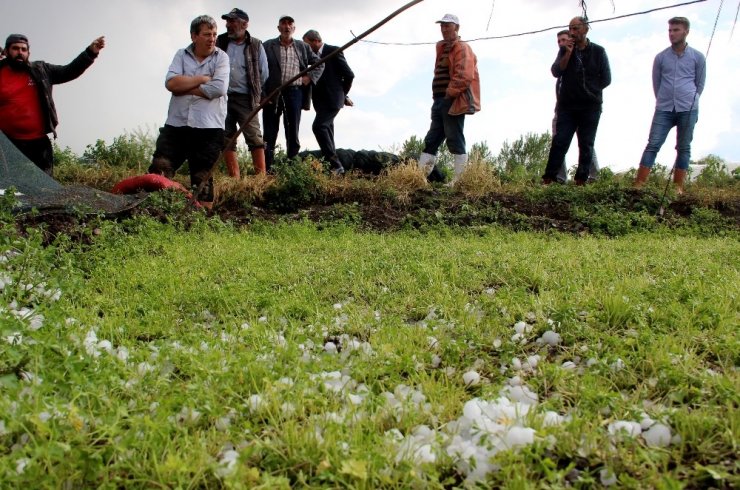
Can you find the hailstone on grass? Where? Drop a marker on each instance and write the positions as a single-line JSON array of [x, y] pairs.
[[658, 435], [471, 378], [549, 338]]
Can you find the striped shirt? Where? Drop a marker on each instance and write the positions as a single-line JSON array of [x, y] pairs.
[[442, 73], [289, 64]]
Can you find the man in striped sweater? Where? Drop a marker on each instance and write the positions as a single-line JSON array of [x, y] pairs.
[[456, 92]]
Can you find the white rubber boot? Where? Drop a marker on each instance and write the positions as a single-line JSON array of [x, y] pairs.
[[459, 163], [426, 163]]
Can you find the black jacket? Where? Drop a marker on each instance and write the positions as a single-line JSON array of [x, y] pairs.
[[334, 84], [584, 79], [45, 75]]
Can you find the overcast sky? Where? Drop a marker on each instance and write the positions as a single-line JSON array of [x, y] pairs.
[[124, 90]]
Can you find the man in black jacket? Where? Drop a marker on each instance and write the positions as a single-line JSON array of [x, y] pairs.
[[27, 110], [329, 96], [584, 72], [286, 57]]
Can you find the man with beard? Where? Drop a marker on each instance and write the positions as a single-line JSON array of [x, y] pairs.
[[583, 69], [248, 75], [27, 110], [286, 58], [679, 75]]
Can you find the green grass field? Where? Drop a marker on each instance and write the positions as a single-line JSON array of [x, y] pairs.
[[298, 355]]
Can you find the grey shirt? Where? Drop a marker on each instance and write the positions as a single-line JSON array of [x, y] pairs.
[[678, 80], [194, 111]]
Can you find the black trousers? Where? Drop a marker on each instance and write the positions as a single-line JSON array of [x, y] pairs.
[[39, 151]]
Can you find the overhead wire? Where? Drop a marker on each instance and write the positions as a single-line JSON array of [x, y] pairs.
[[538, 31]]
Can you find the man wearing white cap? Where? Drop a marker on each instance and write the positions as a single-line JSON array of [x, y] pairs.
[[456, 92]]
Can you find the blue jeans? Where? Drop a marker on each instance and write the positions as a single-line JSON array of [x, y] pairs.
[[663, 121], [583, 123], [445, 127], [288, 104]]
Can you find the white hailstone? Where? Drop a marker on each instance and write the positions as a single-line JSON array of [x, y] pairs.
[[658, 435], [607, 477], [105, 345], [44, 416], [20, 465], [550, 338], [515, 381], [516, 364], [36, 322], [344, 447], [490, 291], [646, 422], [227, 463], [517, 337], [436, 361], [337, 306], [533, 361], [330, 348], [262, 319], [519, 436], [617, 365], [255, 403], [15, 338], [355, 399], [583, 348], [122, 354], [91, 344], [522, 327], [3, 430], [144, 367], [552, 419], [153, 407], [569, 365], [432, 342], [497, 344], [287, 409], [222, 424], [187, 416], [592, 362], [625, 427], [449, 371], [286, 382], [521, 394], [471, 378]]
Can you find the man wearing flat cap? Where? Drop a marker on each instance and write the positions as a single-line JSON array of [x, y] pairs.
[[246, 80], [456, 92], [27, 110], [286, 57]]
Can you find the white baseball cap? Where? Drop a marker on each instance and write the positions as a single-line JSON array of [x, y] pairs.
[[449, 18]]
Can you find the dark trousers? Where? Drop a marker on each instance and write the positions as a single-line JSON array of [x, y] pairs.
[[323, 130], [201, 147], [583, 123], [39, 151], [288, 105], [445, 127]]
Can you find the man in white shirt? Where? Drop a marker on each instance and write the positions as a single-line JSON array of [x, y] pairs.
[[198, 79]]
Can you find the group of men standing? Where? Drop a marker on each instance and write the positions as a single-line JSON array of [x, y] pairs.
[[582, 70], [217, 82]]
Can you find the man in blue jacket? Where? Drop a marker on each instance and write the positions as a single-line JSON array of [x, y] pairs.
[[329, 96]]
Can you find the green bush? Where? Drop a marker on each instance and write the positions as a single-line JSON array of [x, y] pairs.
[[131, 150], [525, 158], [296, 185]]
